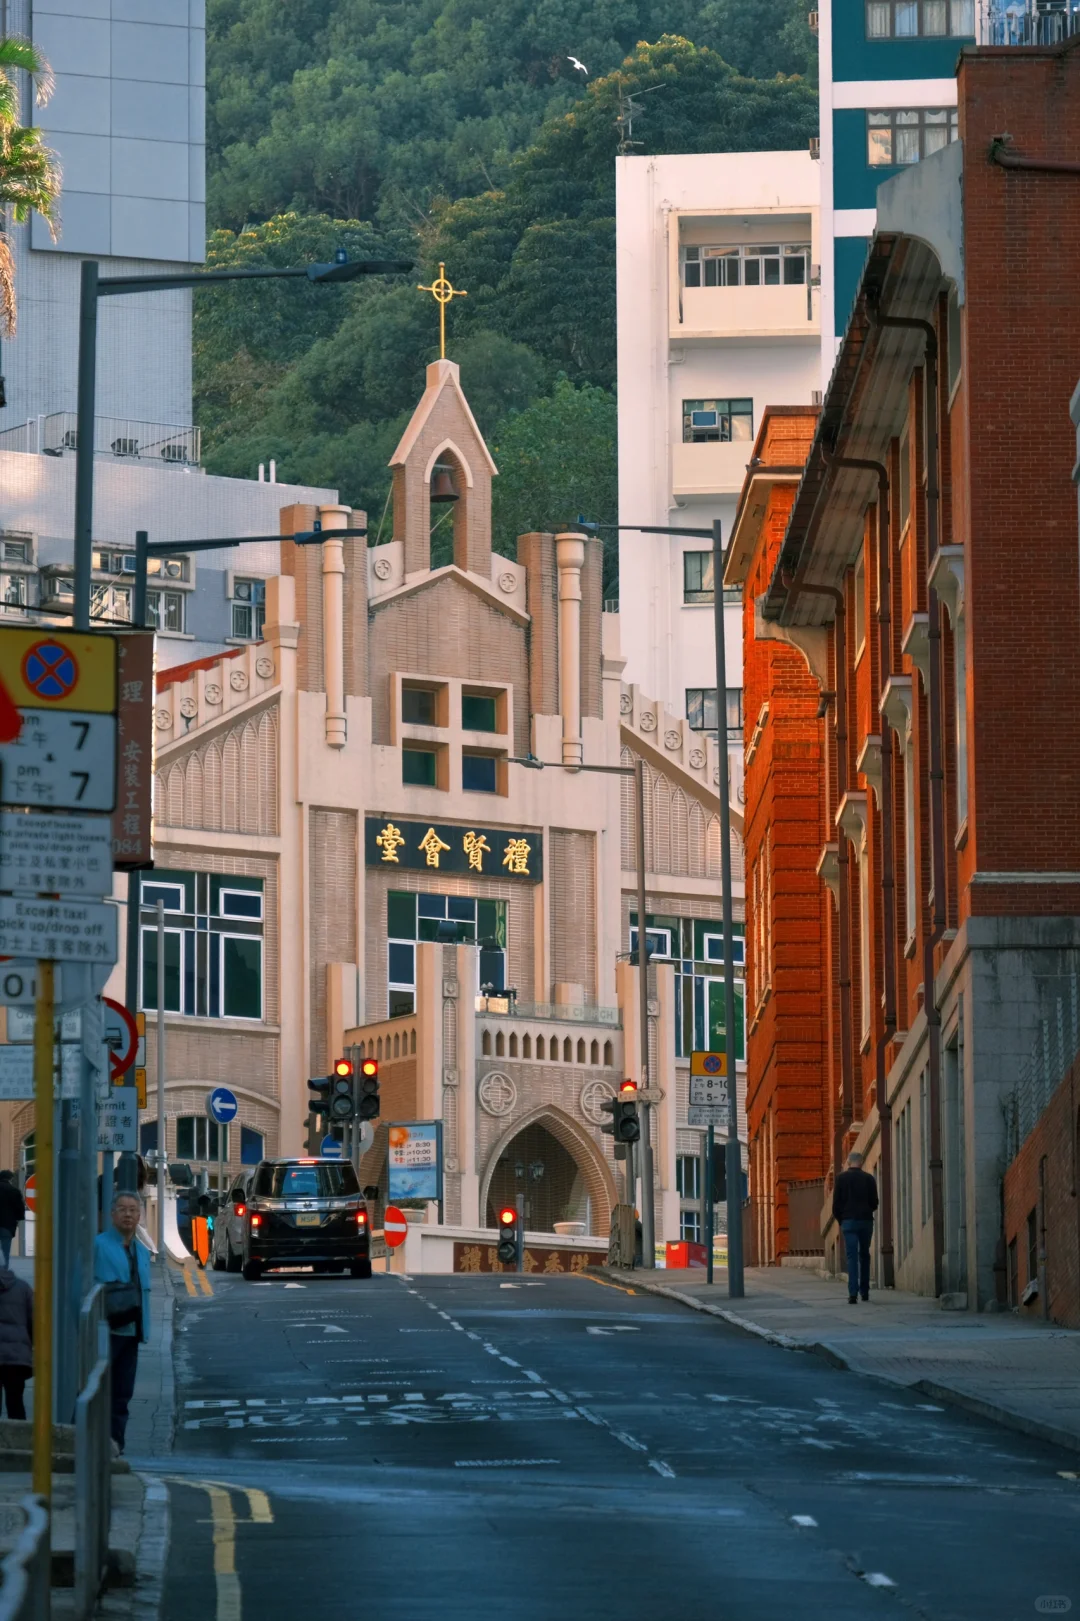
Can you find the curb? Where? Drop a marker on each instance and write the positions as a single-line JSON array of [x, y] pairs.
[[1007, 1417], [152, 1551]]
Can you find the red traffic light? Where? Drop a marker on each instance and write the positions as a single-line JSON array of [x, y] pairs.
[[628, 1089], [342, 1068], [507, 1217], [369, 1067]]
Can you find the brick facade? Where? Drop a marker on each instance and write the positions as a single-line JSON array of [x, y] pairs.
[[1042, 1212]]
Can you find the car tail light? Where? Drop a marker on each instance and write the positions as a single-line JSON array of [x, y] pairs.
[[241, 1209], [361, 1218], [256, 1220]]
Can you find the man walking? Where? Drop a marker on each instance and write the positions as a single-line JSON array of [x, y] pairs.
[[122, 1264], [855, 1198], [12, 1211]]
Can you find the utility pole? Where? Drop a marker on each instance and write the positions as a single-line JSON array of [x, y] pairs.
[[161, 1078], [733, 1151], [648, 1223]]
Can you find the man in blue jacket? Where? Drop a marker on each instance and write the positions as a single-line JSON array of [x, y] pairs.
[[119, 1258]]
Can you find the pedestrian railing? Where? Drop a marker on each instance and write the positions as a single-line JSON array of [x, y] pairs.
[[93, 1456], [26, 1572], [1054, 1050]]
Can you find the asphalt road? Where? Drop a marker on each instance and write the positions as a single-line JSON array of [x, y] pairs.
[[441, 1448]]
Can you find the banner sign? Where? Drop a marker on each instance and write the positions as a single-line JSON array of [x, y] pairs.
[[415, 1160], [495, 852]]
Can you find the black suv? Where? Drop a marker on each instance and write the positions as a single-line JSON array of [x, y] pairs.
[[303, 1212]]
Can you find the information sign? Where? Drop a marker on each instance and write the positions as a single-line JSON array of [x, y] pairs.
[[221, 1105], [710, 1089], [330, 1148], [17, 1071], [703, 1063], [18, 986], [415, 1160], [705, 1114], [118, 1121], [61, 760], [132, 825], [60, 855], [121, 1037], [58, 670], [66, 931]]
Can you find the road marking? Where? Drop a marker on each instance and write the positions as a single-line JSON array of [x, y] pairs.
[[662, 1468], [502, 1463], [804, 1519], [875, 1578], [604, 1283], [296, 1286], [189, 1282], [1068, 1474], [615, 1328], [204, 1283]]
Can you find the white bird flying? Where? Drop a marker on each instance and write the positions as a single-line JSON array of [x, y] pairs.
[[579, 65]]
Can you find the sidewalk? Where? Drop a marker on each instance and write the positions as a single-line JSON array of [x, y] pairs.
[[1023, 1374]]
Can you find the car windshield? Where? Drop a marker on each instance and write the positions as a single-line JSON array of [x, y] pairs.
[[306, 1181]]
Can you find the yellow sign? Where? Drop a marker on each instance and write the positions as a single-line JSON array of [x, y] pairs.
[[708, 1063], [44, 669], [140, 1087]]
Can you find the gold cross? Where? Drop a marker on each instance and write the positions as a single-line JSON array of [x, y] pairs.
[[442, 292]]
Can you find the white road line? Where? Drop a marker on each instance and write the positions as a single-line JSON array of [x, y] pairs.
[[662, 1468], [875, 1578], [535, 1377], [502, 1463], [804, 1519]]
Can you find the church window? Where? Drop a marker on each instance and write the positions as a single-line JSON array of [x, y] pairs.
[[451, 919], [214, 938], [418, 706], [478, 712], [418, 767], [479, 773], [695, 948]]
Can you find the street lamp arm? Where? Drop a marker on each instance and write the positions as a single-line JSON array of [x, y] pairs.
[[308, 537], [349, 271], [645, 529], [533, 764]]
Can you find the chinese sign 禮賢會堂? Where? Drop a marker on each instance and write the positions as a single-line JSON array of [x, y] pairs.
[[442, 847]]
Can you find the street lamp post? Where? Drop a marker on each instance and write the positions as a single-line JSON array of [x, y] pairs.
[[732, 1151], [648, 1217], [93, 287]]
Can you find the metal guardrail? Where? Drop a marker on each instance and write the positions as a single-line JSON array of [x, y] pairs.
[[93, 1455], [505, 1007], [1028, 22], [26, 1572]]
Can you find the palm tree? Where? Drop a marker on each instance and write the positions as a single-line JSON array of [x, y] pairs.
[[29, 173]]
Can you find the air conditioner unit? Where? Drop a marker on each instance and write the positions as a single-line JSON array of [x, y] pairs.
[[173, 568], [125, 447], [815, 146], [174, 453], [127, 563]]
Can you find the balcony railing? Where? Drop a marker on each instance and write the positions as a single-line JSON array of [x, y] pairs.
[[559, 1012], [153, 444], [1027, 22]]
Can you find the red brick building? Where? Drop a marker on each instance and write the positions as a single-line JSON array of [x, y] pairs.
[[928, 574], [787, 1024]]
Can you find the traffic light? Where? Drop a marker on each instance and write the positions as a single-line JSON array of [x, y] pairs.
[[626, 1122], [508, 1235], [342, 1098], [367, 1090]]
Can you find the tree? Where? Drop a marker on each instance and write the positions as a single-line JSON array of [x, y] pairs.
[[29, 177]]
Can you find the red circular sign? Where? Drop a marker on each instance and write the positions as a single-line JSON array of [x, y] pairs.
[[30, 1192], [50, 670], [122, 1058], [395, 1226]]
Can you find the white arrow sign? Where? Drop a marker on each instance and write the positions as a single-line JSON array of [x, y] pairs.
[[616, 1328], [327, 1328]]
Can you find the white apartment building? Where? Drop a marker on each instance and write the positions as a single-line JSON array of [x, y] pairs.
[[717, 260]]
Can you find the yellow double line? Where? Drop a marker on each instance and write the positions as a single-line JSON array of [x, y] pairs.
[[190, 1274], [224, 1522]]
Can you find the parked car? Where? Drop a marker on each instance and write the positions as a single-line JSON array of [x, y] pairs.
[[300, 1212], [227, 1246]]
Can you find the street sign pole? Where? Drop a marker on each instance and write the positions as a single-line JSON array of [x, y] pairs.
[[709, 1203], [520, 1265], [161, 1078], [43, 1236]]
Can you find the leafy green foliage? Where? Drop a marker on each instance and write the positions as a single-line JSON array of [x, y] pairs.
[[29, 176], [460, 130]]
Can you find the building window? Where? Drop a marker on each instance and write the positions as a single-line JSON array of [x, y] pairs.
[[905, 481], [688, 1176], [717, 421], [15, 590], [906, 135], [858, 594], [657, 940], [419, 768], [197, 1138], [690, 1226], [697, 574], [924, 1147], [1032, 1246], [479, 773], [915, 19], [700, 1017], [164, 610], [911, 875], [701, 710], [252, 1145], [452, 919], [111, 603], [864, 935], [16, 548], [418, 706], [248, 610], [904, 1233], [478, 713], [1014, 1275], [213, 967], [748, 265]]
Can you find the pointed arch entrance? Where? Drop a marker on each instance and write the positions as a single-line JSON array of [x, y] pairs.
[[554, 1162]]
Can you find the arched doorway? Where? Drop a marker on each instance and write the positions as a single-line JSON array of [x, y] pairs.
[[555, 1165]]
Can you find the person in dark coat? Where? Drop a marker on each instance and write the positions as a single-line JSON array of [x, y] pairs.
[[12, 1211], [855, 1198], [16, 1340]]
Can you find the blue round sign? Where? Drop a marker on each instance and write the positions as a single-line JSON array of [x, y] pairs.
[[331, 1148], [221, 1105]]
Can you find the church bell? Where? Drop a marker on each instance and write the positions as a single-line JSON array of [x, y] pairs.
[[442, 487]]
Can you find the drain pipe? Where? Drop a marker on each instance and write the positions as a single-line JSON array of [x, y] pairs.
[[937, 772], [847, 1055], [888, 859]]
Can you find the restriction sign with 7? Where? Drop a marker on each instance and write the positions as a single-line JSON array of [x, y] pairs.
[[61, 760]]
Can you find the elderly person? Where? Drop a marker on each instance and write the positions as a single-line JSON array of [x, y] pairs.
[[16, 1340], [855, 1198], [122, 1264]]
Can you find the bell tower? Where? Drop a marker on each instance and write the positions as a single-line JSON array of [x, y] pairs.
[[443, 462]]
